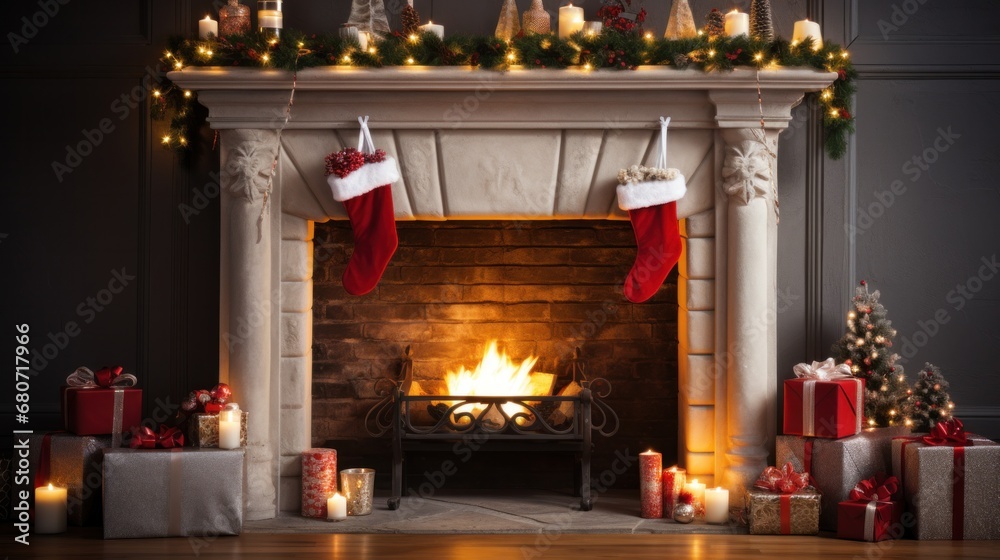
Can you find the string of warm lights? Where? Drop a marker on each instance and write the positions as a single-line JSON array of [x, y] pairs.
[[584, 51]]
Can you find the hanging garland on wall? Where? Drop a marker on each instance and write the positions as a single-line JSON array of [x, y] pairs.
[[610, 49]]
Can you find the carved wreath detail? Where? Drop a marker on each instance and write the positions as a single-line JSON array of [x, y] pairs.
[[746, 172], [248, 168]]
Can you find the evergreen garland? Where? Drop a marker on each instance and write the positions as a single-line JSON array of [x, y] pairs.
[[866, 348], [609, 49]]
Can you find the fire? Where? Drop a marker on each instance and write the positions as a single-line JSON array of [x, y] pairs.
[[495, 376]]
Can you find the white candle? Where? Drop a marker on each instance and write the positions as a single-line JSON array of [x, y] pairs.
[[431, 27], [697, 489], [229, 428], [364, 38], [269, 19], [737, 23], [570, 20], [336, 507], [804, 29], [717, 505], [50, 509], [208, 27]]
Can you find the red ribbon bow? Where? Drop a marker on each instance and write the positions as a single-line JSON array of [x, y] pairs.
[[874, 490], [784, 480], [165, 438], [951, 433], [104, 377]]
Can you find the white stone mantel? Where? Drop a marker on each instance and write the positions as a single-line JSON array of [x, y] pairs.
[[522, 144]]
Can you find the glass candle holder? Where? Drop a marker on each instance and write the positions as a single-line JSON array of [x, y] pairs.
[[358, 486], [269, 17], [234, 19]]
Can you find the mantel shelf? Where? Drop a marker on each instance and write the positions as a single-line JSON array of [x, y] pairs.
[[433, 78]]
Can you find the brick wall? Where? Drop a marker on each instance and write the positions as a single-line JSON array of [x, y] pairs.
[[540, 288]]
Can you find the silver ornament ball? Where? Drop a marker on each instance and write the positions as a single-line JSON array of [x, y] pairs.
[[684, 513]]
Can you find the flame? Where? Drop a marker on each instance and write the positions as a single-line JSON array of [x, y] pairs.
[[495, 376]]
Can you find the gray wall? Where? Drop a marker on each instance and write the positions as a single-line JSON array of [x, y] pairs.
[[119, 207]]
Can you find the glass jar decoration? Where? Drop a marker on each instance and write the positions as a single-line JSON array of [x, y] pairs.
[[269, 18], [234, 19], [536, 19]]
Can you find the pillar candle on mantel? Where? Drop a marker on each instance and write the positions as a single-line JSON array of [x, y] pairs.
[[431, 27], [737, 23], [319, 481], [717, 505], [804, 29], [697, 489], [570, 20], [651, 485], [673, 483], [208, 27], [230, 419], [50, 509]]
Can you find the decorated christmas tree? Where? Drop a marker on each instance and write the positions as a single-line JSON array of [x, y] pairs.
[[929, 401], [867, 348], [760, 20]]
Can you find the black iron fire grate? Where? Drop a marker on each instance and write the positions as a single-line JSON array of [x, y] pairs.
[[434, 422]]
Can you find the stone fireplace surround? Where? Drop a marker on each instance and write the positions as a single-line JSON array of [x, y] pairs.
[[472, 144]]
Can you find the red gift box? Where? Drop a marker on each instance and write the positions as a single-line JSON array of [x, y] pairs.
[[871, 514], [823, 405], [872, 521], [91, 411], [101, 403]]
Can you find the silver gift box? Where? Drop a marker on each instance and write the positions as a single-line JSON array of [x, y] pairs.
[[929, 484], [74, 464], [839, 464], [173, 492]]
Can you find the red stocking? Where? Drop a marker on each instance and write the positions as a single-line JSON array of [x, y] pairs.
[[362, 181], [650, 195]]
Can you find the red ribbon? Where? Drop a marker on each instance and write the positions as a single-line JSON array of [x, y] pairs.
[[165, 438], [106, 375], [875, 490], [784, 480], [785, 501], [951, 433]]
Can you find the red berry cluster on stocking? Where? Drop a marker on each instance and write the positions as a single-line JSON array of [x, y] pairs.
[[362, 180], [650, 196]]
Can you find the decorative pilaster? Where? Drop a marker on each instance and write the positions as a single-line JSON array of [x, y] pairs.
[[246, 305], [746, 180]]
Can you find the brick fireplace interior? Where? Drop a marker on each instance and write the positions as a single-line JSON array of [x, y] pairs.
[[538, 287]]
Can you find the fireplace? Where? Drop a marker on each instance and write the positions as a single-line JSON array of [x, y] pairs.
[[520, 145]]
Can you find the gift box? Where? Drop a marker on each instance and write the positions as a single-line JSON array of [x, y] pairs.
[[781, 502], [173, 492], [837, 464], [203, 429], [774, 513], [72, 462], [951, 482], [824, 400], [872, 513], [100, 403]]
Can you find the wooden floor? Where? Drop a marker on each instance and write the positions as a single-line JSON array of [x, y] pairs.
[[88, 544]]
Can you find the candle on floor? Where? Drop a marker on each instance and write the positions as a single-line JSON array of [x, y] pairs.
[[651, 485], [804, 29], [673, 483], [697, 489], [208, 27], [717, 505], [336, 508], [50, 509], [229, 427], [570, 20], [431, 27], [737, 23]]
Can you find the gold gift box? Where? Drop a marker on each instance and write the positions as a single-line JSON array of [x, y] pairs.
[[764, 508], [203, 429]]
